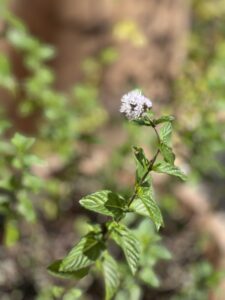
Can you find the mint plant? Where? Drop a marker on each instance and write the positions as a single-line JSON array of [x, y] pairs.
[[93, 251], [62, 118], [59, 120]]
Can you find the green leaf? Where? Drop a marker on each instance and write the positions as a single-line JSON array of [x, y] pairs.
[[163, 120], [22, 40], [105, 202], [5, 65], [4, 124], [128, 242], [143, 122], [45, 52], [160, 252], [148, 276], [54, 269], [84, 254], [111, 275], [109, 55], [7, 80], [55, 291], [21, 142], [33, 183], [138, 207], [169, 169], [142, 163], [25, 207], [165, 133], [146, 195], [30, 160], [11, 235], [167, 153], [165, 138], [73, 294]]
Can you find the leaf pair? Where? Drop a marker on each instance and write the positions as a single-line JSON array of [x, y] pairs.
[[77, 263], [108, 203]]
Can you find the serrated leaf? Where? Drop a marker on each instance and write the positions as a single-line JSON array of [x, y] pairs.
[[138, 207], [146, 195], [163, 120], [105, 202], [169, 169], [142, 163], [84, 254], [130, 245], [111, 275], [165, 133], [54, 269], [167, 153]]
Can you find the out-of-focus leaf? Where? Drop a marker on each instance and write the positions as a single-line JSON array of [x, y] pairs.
[[147, 275], [21, 142], [25, 207], [73, 294], [163, 119], [11, 235]]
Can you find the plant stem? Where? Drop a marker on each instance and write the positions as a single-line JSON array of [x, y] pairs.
[[144, 177], [151, 164]]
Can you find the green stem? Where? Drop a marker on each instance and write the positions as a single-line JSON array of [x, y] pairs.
[[151, 164], [144, 177], [134, 195]]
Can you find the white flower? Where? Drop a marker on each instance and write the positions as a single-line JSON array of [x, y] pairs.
[[134, 105]]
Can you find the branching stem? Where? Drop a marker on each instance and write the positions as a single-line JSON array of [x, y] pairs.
[[134, 195]]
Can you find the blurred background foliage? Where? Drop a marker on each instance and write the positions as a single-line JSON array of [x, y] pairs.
[[60, 144]]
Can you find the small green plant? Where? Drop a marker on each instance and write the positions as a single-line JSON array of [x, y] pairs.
[[19, 182], [93, 251], [203, 279], [62, 120], [199, 92]]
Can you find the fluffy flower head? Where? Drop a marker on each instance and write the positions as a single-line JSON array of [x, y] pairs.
[[134, 105]]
